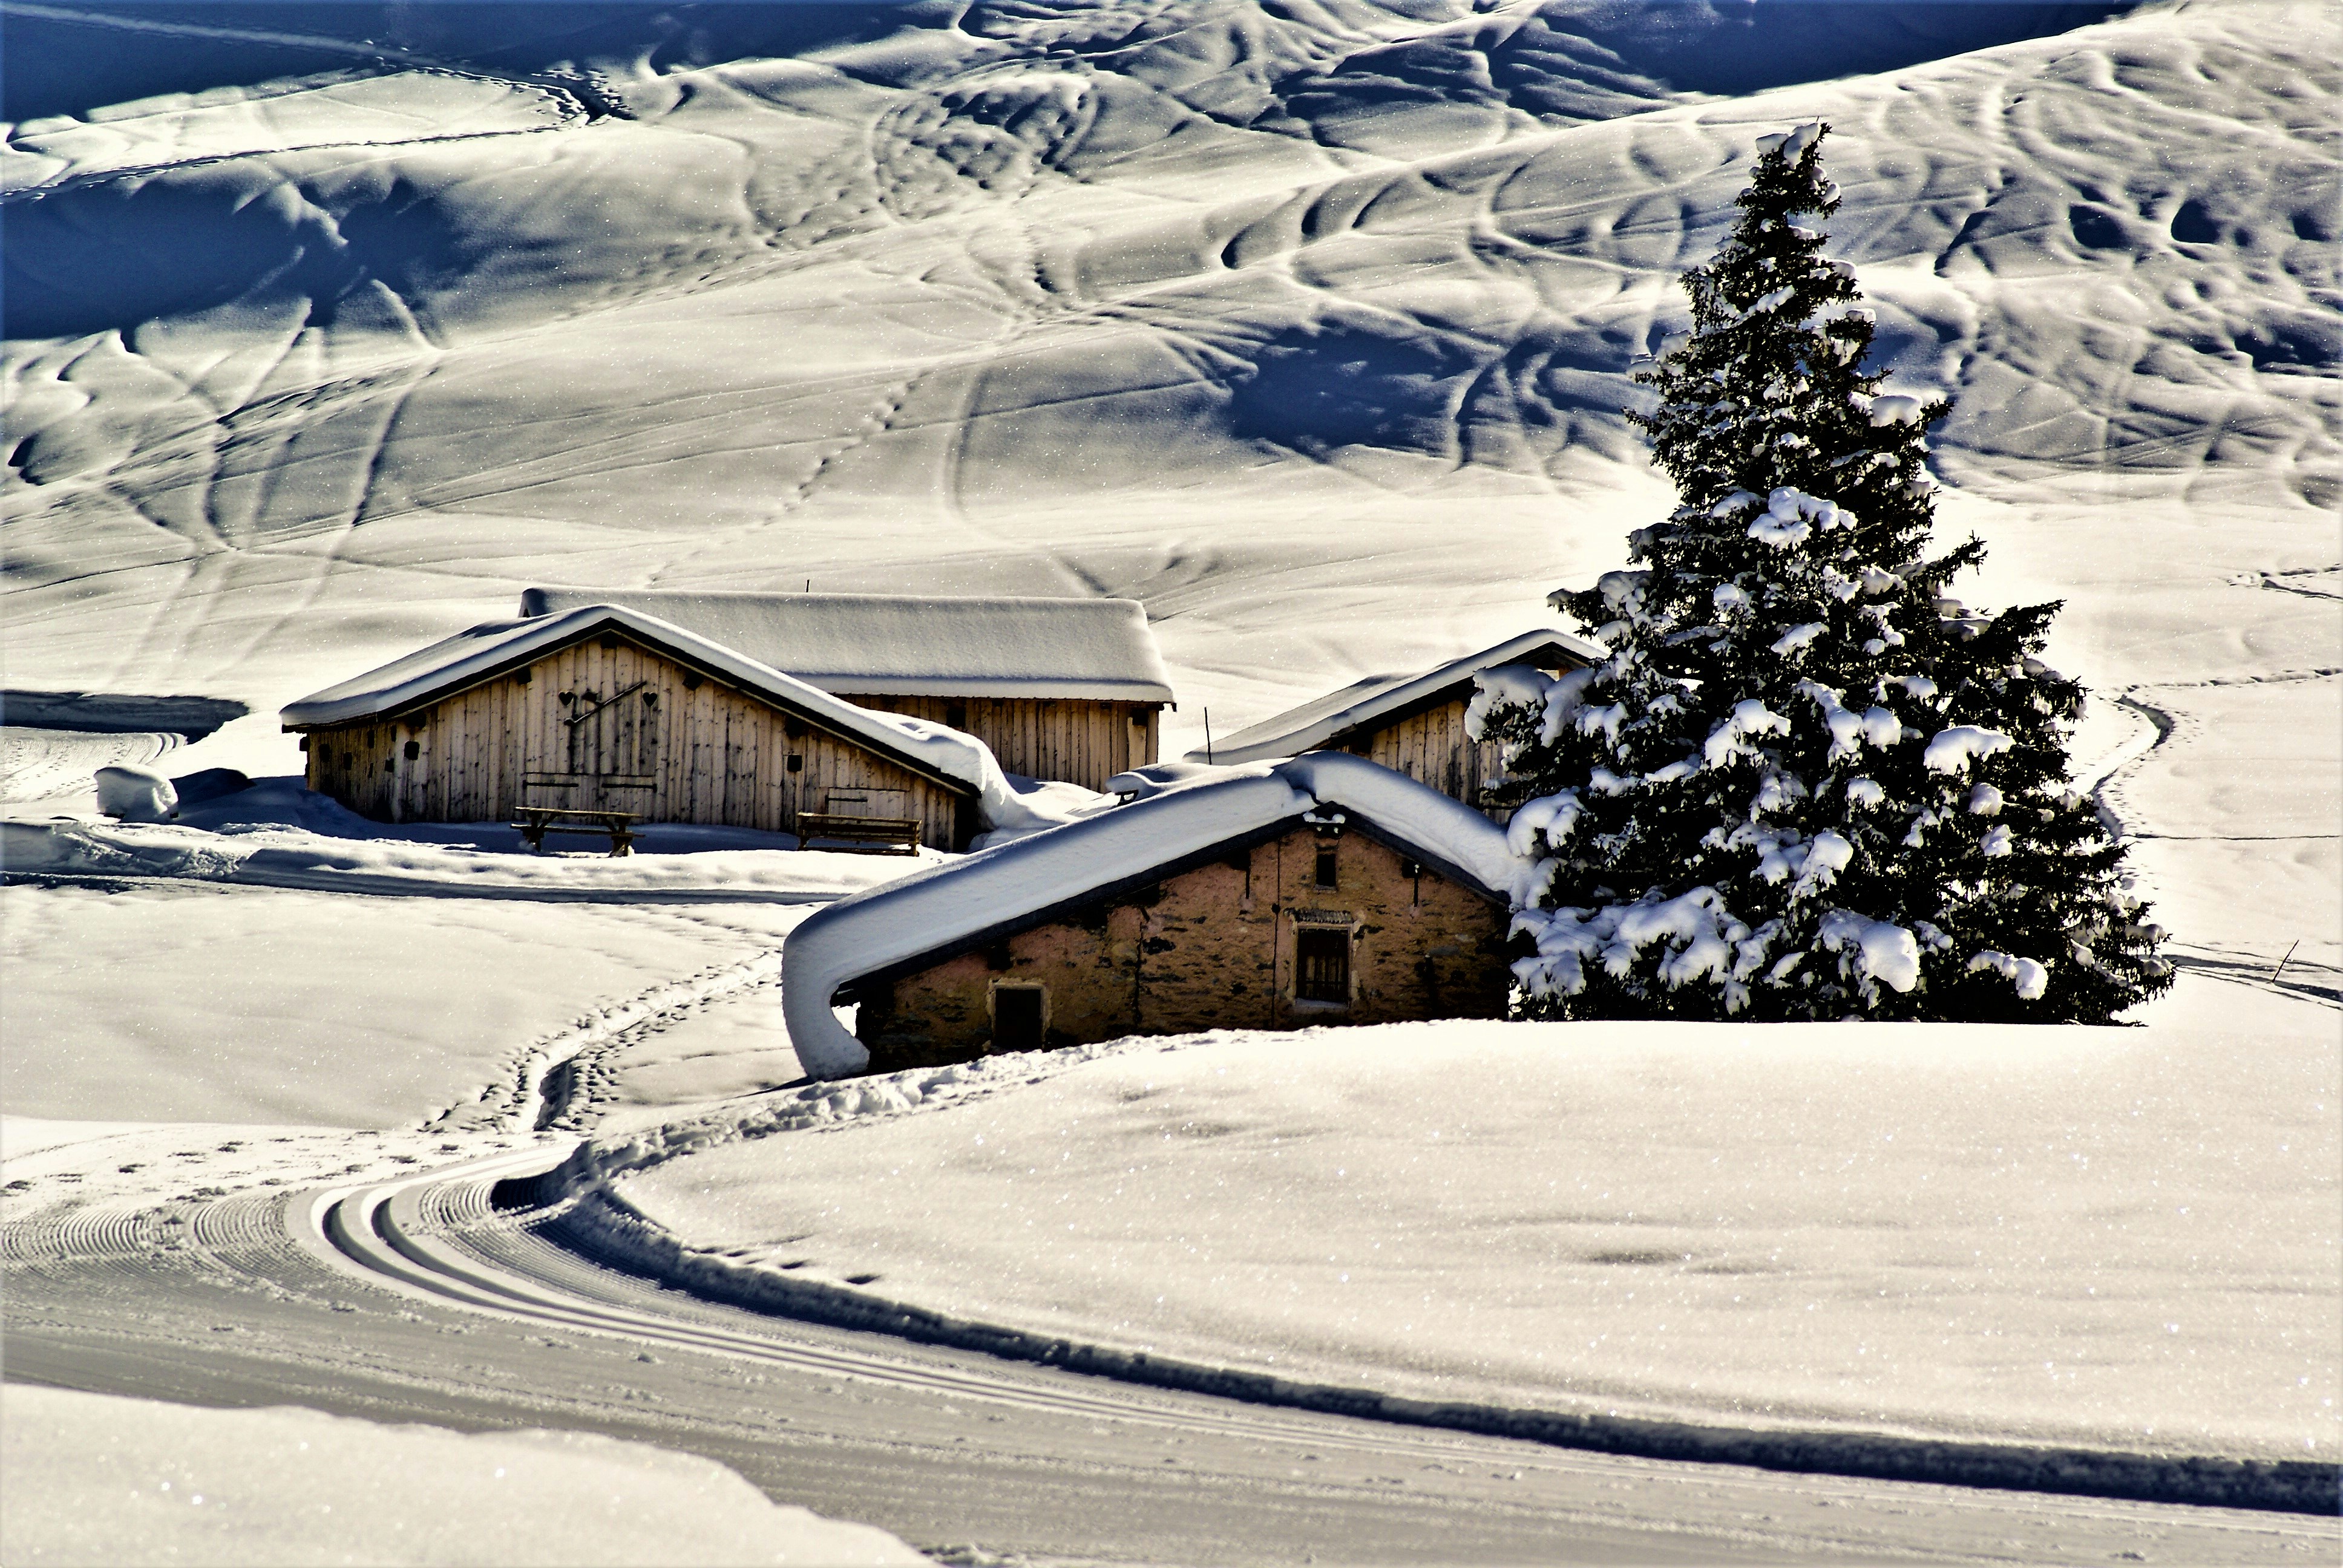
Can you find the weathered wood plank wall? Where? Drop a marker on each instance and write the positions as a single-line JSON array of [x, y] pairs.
[[673, 746], [1433, 749], [1079, 741]]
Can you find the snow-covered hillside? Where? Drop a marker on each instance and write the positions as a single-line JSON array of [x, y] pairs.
[[1307, 326], [1251, 314]]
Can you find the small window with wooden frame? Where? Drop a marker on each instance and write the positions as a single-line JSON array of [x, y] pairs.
[[1322, 965], [1020, 1015], [1329, 865]]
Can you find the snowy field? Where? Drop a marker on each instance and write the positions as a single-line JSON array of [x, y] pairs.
[[266, 1487], [1307, 326], [177, 1001], [2101, 1238]]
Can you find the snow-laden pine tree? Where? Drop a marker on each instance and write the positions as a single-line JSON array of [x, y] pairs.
[[1807, 784]]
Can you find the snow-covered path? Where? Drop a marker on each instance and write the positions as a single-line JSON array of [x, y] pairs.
[[941, 1447]]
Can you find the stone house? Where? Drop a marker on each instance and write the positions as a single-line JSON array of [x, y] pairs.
[[1063, 688], [1413, 724], [1323, 891]]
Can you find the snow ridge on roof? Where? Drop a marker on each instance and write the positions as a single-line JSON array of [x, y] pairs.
[[1361, 705], [481, 651], [902, 920], [898, 645]]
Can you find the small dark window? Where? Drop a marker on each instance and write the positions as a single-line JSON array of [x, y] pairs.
[[522, 677], [956, 715], [1017, 1018], [610, 645], [796, 763], [414, 750], [1325, 877], [691, 680], [1322, 965]]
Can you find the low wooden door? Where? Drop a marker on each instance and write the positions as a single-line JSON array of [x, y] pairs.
[[604, 751]]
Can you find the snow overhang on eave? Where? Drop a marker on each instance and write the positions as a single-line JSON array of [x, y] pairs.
[[1324, 816], [1124, 887], [1102, 893]]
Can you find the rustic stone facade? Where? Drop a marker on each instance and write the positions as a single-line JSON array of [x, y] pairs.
[[1238, 942]]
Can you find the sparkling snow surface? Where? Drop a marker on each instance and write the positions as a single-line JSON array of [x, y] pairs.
[[184, 1002], [1333, 393], [295, 1487], [2118, 1237]]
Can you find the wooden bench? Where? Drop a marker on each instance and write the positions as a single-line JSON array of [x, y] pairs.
[[861, 835], [536, 821]]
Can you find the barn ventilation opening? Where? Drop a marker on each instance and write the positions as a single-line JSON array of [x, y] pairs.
[[1322, 965], [1326, 863], [1017, 1018]]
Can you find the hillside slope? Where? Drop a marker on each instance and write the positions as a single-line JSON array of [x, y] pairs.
[[1309, 326]]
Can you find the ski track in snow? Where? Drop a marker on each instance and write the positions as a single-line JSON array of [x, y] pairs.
[[521, 1102]]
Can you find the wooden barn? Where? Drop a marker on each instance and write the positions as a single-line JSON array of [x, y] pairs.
[[1413, 724], [606, 709], [1325, 890], [1063, 688]]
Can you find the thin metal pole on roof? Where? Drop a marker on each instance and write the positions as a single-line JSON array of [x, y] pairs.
[[1207, 737]]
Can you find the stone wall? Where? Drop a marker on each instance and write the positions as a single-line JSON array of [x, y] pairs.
[[1213, 947]]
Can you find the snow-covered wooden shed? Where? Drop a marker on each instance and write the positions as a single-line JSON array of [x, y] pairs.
[[1068, 688], [1320, 890], [604, 708], [1412, 723]]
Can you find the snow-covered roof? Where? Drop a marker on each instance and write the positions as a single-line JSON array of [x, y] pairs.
[[483, 652], [1382, 699], [898, 645], [927, 918]]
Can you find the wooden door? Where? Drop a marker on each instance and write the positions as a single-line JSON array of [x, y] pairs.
[[607, 755]]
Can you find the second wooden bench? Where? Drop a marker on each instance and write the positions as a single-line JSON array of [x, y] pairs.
[[861, 835]]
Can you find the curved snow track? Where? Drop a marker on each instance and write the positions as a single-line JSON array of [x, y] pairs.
[[439, 1236], [443, 1295]]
